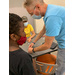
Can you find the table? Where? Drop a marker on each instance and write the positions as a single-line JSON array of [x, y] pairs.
[[38, 43]]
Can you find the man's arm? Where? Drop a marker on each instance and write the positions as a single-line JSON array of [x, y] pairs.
[[46, 45], [42, 32]]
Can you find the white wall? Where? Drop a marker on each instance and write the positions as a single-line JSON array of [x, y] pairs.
[[55, 2], [15, 6], [39, 23]]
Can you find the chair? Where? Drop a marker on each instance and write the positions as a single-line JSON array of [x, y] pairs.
[[45, 64], [45, 69]]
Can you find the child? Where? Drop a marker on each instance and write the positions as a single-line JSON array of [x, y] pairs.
[[28, 28], [20, 62]]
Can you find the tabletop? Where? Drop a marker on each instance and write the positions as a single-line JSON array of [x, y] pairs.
[[38, 43]]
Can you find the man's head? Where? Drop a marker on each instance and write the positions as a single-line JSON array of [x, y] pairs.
[[35, 7], [32, 3]]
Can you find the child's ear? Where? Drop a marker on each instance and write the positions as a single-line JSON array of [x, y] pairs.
[[12, 36]]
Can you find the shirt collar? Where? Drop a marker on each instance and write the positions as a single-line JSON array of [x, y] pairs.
[[45, 13]]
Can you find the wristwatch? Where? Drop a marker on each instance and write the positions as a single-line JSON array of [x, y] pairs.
[[33, 50], [33, 42]]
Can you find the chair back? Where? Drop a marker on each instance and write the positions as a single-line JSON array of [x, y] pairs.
[[45, 64], [45, 69]]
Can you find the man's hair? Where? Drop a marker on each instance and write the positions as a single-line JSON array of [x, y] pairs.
[[32, 2], [14, 26]]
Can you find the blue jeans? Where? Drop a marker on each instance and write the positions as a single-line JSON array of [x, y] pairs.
[[60, 62]]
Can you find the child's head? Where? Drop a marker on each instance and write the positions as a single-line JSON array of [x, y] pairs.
[[16, 27], [25, 20]]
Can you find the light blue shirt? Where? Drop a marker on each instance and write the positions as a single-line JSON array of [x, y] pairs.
[[54, 21]]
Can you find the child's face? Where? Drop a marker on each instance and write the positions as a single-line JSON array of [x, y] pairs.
[[21, 31], [25, 21]]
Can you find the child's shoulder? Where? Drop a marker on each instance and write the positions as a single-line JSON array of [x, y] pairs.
[[20, 54], [29, 25], [20, 58], [24, 54]]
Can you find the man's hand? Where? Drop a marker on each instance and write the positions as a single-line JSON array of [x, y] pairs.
[[30, 50], [32, 44]]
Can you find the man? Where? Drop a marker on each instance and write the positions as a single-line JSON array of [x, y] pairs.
[[54, 20]]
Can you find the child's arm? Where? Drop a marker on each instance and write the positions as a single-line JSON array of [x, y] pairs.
[[33, 34]]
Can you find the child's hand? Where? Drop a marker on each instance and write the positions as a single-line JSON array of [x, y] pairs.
[[29, 39]]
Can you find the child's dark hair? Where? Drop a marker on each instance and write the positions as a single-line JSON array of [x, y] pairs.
[[14, 26]]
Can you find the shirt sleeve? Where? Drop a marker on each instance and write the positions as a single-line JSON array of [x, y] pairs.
[[31, 28], [53, 26], [27, 69]]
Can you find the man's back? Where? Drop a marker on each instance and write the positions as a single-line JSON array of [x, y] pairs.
[[54, 20]]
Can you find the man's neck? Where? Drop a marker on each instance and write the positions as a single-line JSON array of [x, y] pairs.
[[45, 9]]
